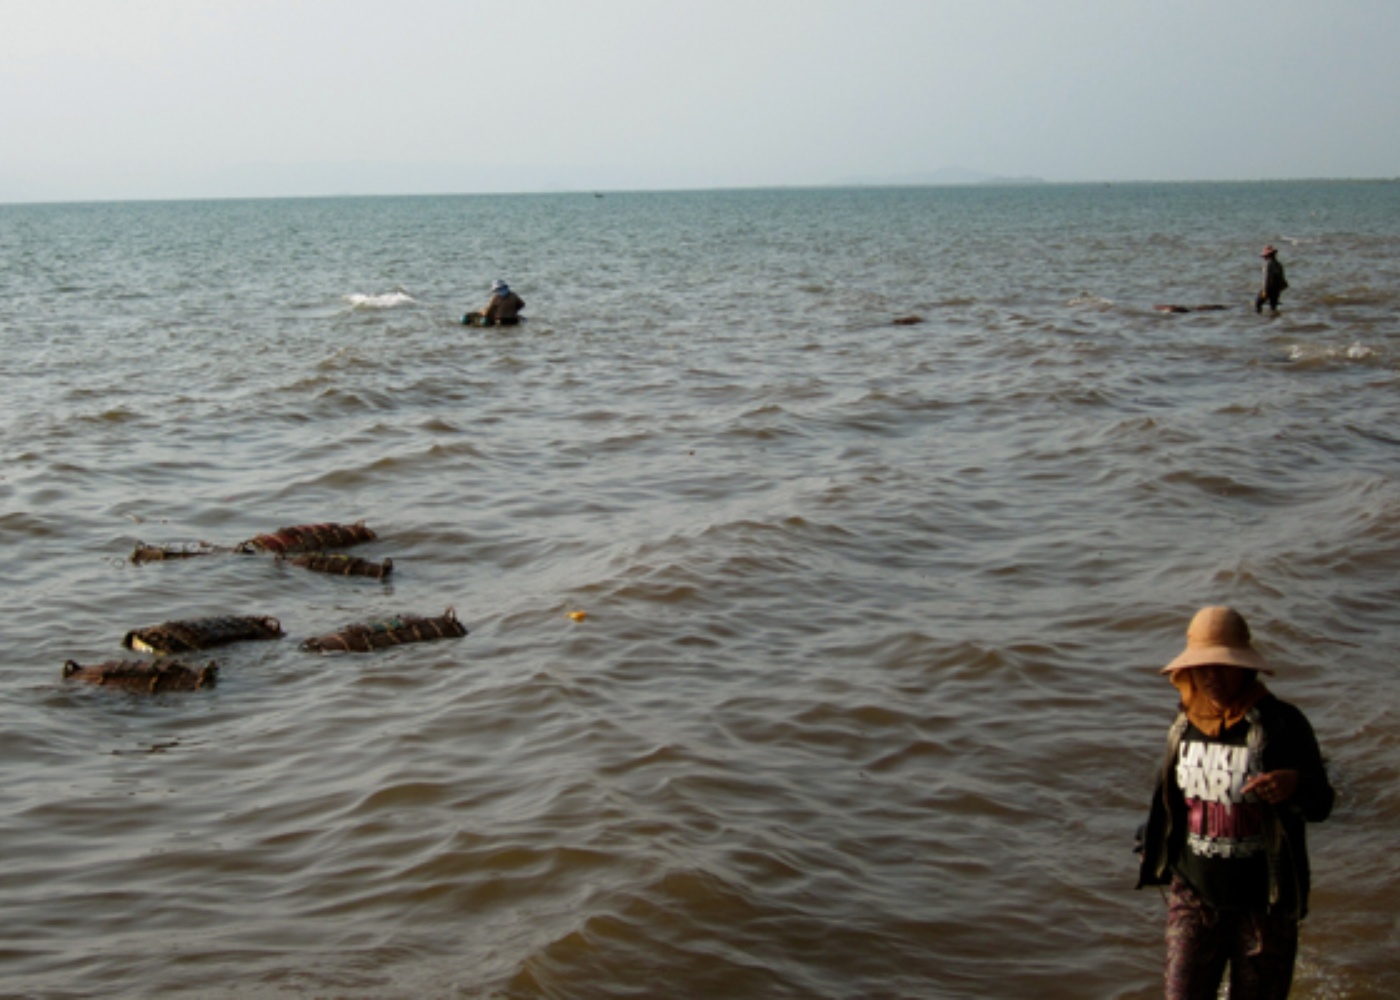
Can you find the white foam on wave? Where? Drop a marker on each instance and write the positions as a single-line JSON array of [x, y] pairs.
[[1320, 352], [386, 301]]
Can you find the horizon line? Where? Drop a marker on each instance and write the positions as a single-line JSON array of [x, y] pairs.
[[987, 182]]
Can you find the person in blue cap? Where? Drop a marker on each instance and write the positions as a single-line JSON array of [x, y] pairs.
[[502, 310]]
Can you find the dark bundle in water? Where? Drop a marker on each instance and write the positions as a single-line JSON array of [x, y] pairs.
[[144, 676], [309, 538], [201, 633], [342, 565], [390, 632], [185, 550]]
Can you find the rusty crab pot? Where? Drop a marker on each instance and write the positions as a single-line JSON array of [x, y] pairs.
[[339, 564], [144, 676], [144, 553], [364, 638], [201, 633], [309, 538]]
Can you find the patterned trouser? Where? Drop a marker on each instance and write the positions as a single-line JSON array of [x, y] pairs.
[[1202, 940]]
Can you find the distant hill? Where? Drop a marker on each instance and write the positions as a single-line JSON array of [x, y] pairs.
[[934, 178]]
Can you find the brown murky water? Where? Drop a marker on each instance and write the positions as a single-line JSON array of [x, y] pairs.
[[862, 702]]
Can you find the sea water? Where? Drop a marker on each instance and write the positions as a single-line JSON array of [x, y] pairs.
[[812, 654]]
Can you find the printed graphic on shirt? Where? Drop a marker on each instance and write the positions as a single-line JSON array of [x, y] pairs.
[[1220, 823]]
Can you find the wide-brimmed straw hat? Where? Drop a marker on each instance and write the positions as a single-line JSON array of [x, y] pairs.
[[1218, 636], [1268, 251]]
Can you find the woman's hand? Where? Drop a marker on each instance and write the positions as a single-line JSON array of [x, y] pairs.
[[1274, 787]]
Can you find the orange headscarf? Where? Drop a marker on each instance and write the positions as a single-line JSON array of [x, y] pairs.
[[1208, 716]]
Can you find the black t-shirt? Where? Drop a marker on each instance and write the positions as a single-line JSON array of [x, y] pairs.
[[1223, 857]]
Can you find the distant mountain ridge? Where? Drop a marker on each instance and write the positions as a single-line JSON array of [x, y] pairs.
[[945, 175]]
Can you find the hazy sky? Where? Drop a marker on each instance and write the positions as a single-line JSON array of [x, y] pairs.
[[182, 98]]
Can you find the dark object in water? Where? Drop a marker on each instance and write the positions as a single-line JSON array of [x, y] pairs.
[[309, 538], [907, 320], [201, 633], [185, 550], [1189, 309], [144, 676], [339, 564], [390, 632], [477, 319]]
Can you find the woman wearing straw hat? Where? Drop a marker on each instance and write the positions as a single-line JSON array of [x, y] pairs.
[[1274, 281], [1242, 775]]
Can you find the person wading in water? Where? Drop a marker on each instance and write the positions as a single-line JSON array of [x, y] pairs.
[[1274, 281], [1242, 776], [502, 310]]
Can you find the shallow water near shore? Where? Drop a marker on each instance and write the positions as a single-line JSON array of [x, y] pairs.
[[862, 701]]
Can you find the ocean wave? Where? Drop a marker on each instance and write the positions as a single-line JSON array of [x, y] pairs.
[[386, 300], [1314, 354]]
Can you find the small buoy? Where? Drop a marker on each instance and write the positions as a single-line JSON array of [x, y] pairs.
[[578, 616]]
